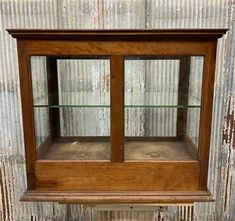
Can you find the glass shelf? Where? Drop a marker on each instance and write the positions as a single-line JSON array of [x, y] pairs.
[[108, 106]]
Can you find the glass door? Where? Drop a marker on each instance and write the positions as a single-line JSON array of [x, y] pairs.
[[162, 108], [71, 107]]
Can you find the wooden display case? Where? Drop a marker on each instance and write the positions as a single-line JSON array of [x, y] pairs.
[[117, 116]]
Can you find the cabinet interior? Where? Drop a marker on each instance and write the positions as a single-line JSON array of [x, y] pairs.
[[162, 98]]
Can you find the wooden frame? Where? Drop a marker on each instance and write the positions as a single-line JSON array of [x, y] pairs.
[[117, 181]]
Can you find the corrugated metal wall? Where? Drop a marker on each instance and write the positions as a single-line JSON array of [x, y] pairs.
[[76, 14]]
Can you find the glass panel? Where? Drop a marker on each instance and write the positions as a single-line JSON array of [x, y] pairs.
[[162, 101], [77, 105], [194, 98], [40, 95]]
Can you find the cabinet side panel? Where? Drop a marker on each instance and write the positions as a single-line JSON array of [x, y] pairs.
[[27, 110], [206, 112]]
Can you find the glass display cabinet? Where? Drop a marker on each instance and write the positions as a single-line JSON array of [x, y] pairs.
[[117, 116]]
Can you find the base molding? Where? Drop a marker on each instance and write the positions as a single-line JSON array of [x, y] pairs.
[[120, 197]]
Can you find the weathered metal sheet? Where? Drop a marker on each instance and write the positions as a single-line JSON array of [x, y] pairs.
[[75, 14]]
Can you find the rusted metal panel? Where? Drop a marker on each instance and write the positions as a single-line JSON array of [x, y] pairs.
[[75, 14]]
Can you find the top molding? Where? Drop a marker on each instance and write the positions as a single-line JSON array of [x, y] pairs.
[[117, 34]]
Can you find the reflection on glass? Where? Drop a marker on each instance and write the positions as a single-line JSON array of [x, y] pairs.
[[74, 102], [162, 103]]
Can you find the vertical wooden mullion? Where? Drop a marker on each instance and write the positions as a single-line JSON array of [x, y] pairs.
[[183, 91], [117, 108], [53, 96], [28, 112], [206, 112]]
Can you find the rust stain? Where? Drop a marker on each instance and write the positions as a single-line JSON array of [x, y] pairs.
[[228, 140], [227, 190], [6, 209], [229, 127]]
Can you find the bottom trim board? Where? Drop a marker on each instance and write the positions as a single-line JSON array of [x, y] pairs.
[[121, 197]]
